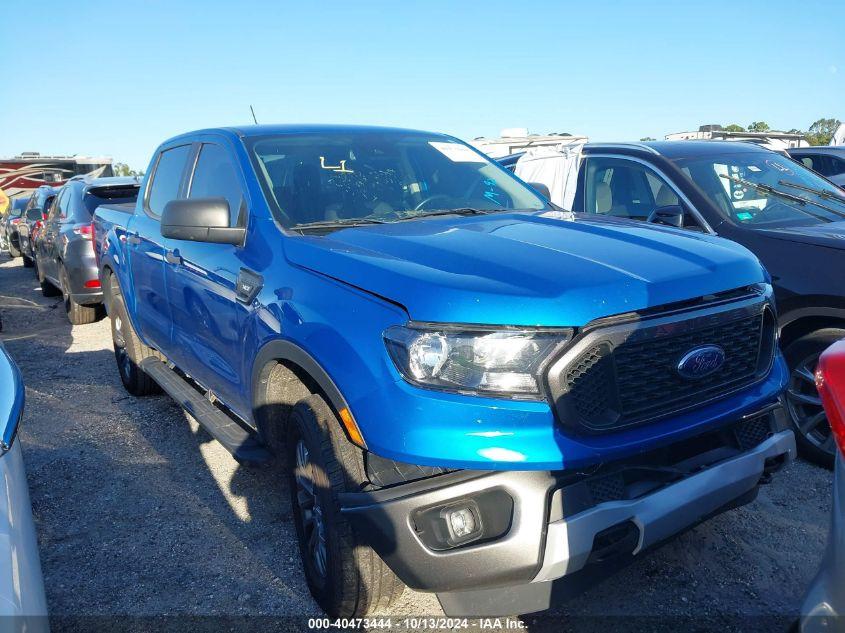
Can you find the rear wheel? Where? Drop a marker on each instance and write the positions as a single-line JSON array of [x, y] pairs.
[[812, 429], [77, 313], [128, 350], [47, 289], [347, 578]]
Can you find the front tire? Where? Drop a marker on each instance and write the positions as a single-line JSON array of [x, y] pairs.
[[128, 350], [346, 578], [809, 421]]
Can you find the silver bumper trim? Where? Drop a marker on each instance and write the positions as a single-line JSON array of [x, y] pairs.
[[661, 514]]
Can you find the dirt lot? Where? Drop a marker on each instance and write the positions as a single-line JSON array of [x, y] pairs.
[[139, 513]]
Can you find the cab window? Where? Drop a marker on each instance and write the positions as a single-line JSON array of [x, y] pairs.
[[215, 177]]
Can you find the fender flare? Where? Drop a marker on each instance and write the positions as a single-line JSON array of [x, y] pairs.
[[788, 318], [285, 350]]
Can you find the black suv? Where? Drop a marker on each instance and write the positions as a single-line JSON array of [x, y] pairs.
[[787, 215]]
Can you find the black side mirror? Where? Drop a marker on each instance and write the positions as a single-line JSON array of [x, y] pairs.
[[542, 189], [671, 215], [200, 220]]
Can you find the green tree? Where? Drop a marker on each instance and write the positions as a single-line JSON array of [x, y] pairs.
[[822, 131], [122, 169], [733, 127], [648, 138], [759, 126]]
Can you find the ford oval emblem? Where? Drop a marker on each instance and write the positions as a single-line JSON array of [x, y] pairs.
[[701, 361]]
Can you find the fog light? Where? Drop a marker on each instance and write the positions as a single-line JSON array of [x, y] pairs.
[[462, 522]]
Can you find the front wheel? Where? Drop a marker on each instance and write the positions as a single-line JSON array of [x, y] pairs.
[[812, 429], [346, 578]]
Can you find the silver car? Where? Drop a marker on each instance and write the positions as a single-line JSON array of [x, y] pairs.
[[23, 606], [824, 604], [64, 254]]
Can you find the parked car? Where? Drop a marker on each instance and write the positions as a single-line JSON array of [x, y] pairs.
[[824, 604], [785, 214], [475, 398], [65, 256], [34, 214], [23, 605], [13, 216], [827, 161]]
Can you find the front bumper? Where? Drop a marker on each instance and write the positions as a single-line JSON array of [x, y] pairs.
[[555, 527]]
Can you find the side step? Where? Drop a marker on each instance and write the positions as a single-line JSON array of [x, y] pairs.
[[243, 445]]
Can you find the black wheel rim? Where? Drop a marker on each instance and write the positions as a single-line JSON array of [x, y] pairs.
[[120, 353], [311, 513], [805, 406]]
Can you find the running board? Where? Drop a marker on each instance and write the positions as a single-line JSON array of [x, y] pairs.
[[243, 445]]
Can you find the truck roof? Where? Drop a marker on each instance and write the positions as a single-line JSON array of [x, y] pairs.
[[244, 131]]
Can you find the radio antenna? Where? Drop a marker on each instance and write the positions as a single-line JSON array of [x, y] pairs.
[[253, 114]]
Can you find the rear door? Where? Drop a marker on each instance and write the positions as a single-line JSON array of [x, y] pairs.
[[48, 244], [207, 316], [145, 248]]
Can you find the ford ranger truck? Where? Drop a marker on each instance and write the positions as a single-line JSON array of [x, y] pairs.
[[473, 394]]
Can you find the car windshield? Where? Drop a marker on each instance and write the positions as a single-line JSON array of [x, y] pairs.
[[350, 178], [765, 189]]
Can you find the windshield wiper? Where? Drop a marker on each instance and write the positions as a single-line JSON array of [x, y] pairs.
[[783, 194], [335, 224], [459, 211], [821, 193]]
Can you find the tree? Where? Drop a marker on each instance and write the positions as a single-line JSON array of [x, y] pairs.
[[822, 131], [648, 138], [733, 127], [122, 169], [759, 126]]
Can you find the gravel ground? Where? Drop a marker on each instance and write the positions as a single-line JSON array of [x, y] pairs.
[[142, 518]]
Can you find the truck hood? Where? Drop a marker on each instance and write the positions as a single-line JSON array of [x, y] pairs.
[[524, 268], [830, 234]]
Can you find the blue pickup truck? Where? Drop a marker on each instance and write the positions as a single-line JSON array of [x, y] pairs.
[[474, 394]]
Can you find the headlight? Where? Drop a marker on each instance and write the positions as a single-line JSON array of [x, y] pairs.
[[503, 362]]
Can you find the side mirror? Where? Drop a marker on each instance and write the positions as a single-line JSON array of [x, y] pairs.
[[200, 220], [542, 189], [671, 215]]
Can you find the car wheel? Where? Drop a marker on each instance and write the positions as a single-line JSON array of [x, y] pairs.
[[346, 578], [128, 350], [47, 289], [14, 251], [77, 314], [812, 430]]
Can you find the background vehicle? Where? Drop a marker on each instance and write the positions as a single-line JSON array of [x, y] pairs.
[[432, 350], [788, 216], [827, 161], [65, 256], [21, 584], [21, 175], [824, 604], [33, 217], [15, 210]]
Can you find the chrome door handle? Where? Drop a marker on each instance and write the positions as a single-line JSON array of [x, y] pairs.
[[172, 257]]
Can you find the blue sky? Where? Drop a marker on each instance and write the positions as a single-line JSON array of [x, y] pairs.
[[116, 78]]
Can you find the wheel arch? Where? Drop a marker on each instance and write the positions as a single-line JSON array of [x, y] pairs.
[[798, 323], [282, 374]]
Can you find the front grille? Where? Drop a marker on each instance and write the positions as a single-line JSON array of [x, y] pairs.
[[631, 377]]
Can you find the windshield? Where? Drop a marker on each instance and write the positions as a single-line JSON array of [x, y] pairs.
[[363, 177], [765, 189]]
